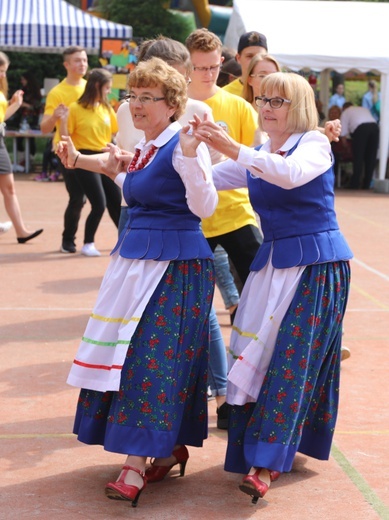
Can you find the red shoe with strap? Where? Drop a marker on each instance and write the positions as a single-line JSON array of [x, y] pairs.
[[253, 485], [121, 491], [156, 473]]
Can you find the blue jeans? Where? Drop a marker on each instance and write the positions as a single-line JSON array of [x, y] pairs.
[[217, 367], [224, 279]]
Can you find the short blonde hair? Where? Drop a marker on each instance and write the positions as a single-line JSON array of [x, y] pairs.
[[302, 114], [157, 73], [247, 92]]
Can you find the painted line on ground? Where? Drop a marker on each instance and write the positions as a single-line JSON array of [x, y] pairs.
[[355, 287], [371, 269], [356, 478]]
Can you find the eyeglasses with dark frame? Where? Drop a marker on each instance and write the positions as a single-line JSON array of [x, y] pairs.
[[274, 102], [213, 68], [144, 100]]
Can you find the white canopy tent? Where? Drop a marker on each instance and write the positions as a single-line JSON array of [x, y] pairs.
[[53, 25], [323, 36]]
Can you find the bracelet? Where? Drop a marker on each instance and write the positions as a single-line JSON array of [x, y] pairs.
[[78, 155]]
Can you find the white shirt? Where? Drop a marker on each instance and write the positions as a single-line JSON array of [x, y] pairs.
[[353, 117]]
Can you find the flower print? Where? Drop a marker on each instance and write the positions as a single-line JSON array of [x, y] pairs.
[[161, 397], [145, 408], [280, 418], [289, 352], [169, 279], [162, 300], [320, 279], [327, 417], [161, 321], [280, 396], [196, 311], [197, 267], [316, 344], [325, 301], [189, 353], [153, 342], [177, 310], [152, 364], [184, 268], [314, 321], [307, 292], [308, 386], [298, 310], [182, 394], [294, 407], [314, 407], [146, 385], [297, 331], [169, 353], [272, 438], [122, 417], [303, 364], [288, 374]]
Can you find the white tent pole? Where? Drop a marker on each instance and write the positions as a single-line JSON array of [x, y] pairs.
[[325, 88], [384, 129]]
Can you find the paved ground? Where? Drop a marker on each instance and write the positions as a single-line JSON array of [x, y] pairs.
[[46, 297]]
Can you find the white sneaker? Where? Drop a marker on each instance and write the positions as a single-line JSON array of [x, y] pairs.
[[5, 226], [90, 250]]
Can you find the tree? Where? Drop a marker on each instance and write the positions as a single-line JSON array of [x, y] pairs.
[[148, 18]]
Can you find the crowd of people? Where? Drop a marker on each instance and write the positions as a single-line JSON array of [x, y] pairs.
[[243, 195]]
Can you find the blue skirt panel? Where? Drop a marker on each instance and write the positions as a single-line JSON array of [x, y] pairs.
[[162, 400]]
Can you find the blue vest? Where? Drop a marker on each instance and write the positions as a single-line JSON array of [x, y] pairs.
[[160, 225], [299, 224]]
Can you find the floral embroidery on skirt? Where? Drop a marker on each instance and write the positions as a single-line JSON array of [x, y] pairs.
[[162, 400]]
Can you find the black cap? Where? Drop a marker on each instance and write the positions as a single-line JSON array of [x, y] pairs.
[[252, 39]]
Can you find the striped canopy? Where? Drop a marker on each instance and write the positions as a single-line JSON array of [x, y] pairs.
[[53, 25]]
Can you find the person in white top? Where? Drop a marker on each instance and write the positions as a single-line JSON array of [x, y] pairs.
[[360, 125]]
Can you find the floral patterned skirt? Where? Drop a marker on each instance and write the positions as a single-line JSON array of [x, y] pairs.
[[297, 405], [162, 399]]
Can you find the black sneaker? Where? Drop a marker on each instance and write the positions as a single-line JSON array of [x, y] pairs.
[[222, 416], [68, 247]]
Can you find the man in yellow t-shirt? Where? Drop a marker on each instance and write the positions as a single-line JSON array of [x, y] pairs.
[[250, 44], [58, 100], [233, 225]]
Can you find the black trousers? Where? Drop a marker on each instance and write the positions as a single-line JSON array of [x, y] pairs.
[[241, 246], [364, 145], [101, 192], [75, 204]]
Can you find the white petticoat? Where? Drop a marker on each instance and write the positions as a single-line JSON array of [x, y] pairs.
[[265, 299], [126, 289]]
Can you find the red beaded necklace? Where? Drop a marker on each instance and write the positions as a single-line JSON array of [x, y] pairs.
[[134, 166]]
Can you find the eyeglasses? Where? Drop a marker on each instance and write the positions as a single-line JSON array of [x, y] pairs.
[[212, 69], [144, 100], [274, 102]]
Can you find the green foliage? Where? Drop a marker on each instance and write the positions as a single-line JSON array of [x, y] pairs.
[[43, 65], [148, 18]]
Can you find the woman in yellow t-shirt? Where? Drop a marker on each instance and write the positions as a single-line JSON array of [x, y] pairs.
[[91, 123], [7, 185]]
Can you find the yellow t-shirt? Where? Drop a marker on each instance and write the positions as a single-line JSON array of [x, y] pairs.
[[65, 94], [234, 210], [235, 87], [91, 128], [3, 106]]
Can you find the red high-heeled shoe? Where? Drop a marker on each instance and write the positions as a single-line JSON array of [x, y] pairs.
[[274, 475], [121, 491], [156, 473], [255, 487]]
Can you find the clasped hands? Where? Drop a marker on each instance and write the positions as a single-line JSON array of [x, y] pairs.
[[111, 161]]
